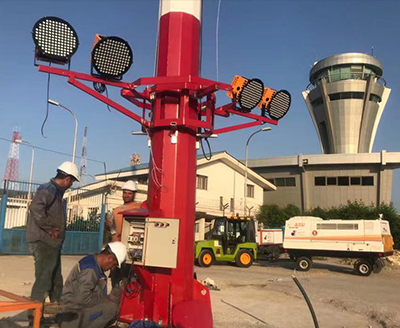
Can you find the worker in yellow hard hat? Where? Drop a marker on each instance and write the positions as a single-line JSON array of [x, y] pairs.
[[129, 190]]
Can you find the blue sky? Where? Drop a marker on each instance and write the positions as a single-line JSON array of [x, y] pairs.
[[276, 41]]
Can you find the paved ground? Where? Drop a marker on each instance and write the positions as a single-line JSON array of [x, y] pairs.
[[266, 296]]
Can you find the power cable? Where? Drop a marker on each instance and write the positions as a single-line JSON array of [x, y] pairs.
[[209, 147], [47, 104], [55, 151], [216, 40]]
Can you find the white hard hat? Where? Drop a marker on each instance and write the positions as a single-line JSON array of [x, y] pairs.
[[119, 249], [70, 169], [129, 185]]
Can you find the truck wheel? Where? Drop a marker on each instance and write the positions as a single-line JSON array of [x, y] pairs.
[[205, 258], [378, 266], [244, 258], [303, 263], [363, 268], [275, 253]]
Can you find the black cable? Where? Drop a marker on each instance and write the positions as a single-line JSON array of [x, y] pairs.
[[47, 102], [202, 148], [307, 301], [100, 88]]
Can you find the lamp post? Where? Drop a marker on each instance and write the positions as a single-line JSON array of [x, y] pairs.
[[245, 171], [55, 103], [20, 141]]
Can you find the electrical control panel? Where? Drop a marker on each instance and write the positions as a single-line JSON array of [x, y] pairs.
[[151, 241]]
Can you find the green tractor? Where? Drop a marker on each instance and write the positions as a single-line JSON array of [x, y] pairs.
[[232, 239]]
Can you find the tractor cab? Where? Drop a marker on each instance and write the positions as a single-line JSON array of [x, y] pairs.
[[232, 239]]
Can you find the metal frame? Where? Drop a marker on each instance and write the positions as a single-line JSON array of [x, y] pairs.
[[184, 88], [21, 303]]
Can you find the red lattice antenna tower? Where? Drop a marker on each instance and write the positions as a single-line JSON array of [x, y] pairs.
[[12, 169]]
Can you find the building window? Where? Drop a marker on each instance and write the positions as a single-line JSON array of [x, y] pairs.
[[221, 203], [283, 182], [202, 182], [331, 181], [232, 205], [367, 181], [290, 182], [375, 98], [355, 181], [343, 181], [346, 95], [320, 181], [250, 191]]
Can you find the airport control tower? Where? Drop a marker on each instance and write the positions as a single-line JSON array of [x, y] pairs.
[[346, 98]]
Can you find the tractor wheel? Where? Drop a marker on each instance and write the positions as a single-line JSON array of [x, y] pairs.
[[244, 258], [363, 268], [205, 258], [378, 266], [303, 263]]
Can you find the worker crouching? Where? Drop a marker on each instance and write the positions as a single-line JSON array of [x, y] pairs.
[[85, 300]]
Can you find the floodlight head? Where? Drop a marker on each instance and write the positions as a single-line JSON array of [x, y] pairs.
[[248, 93], [111, 57], [55, 40], [276, 103], [279, 104]]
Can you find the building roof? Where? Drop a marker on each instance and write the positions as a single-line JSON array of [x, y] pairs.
[[346, 59], [226, 158], [391, 159]]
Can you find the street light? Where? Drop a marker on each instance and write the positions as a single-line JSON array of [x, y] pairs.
[[245, 171], [20, 141], [55, 103]]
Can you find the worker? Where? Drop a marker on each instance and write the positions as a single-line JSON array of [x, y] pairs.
[[85, 290], [129, 190], [46, 232]]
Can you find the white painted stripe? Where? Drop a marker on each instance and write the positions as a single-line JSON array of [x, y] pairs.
[[192, 7]]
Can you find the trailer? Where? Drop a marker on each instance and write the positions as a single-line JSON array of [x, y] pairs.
[[270, 242], [366, 240]]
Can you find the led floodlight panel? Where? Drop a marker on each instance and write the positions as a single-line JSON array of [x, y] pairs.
[[112, 57], [55, 40]]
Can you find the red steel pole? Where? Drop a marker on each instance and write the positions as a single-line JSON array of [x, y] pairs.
[[172, 182]]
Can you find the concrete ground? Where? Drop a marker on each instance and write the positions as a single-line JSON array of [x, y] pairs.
[[265, 295]]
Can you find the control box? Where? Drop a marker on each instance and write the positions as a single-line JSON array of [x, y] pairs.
[[151, 241]]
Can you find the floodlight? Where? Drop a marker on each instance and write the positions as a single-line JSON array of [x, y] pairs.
[[279, 105], [55, 40], [111, 57], [248, 93], [276, 103]]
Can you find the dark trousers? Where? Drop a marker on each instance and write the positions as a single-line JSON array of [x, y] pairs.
[[48, 278], [97, 316]]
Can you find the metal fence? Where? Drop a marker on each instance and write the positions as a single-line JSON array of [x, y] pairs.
[[84, 225]]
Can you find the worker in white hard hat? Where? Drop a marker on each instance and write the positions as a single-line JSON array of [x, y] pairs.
[[46, 232], [85, 301], [129, 190]]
